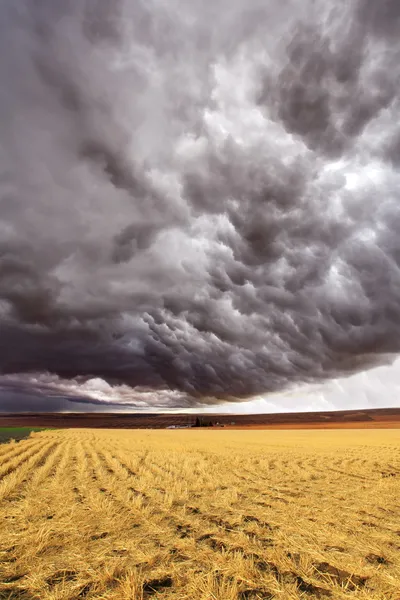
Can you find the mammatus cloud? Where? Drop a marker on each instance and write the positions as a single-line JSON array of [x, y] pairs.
[[198, 202]]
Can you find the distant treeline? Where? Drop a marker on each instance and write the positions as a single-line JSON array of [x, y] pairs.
[[200, 422]]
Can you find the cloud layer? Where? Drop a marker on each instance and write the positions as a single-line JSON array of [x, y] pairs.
[[198, 202]]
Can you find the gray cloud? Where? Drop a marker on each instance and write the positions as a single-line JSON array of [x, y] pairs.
[[43, 394], [199, 200]]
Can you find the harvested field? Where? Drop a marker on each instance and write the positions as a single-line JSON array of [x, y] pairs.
[[208, 515]]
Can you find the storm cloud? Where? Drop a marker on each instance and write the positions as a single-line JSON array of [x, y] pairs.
[[198, 201]]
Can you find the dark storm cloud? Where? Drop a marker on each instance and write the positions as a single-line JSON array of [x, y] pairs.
[[198, 202], [30, 395]]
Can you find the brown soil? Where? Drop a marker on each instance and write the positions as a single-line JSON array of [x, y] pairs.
[[334, 425], [386, 418]]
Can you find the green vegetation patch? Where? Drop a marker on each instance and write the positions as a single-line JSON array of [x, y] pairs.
[[17, 433]]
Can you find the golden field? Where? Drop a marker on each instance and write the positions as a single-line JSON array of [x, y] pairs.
[[207, 515]]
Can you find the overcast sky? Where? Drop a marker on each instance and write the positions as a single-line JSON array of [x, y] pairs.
[[199, 203]]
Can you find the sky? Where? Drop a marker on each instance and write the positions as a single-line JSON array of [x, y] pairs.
[[199, 205]]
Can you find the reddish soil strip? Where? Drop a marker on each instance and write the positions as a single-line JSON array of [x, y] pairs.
[[385, 418]]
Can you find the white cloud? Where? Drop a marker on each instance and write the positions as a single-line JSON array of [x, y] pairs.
[[375, 388]]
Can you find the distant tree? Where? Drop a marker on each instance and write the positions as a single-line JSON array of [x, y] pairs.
[[202, 423]]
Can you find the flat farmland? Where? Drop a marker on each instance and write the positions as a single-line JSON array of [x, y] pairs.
[[201, 514]]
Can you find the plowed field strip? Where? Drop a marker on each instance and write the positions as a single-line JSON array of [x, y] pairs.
[[104, 482], [46, 468], [178, 516], [14, 480], [60, 482], [18, 458], [143, 510], [11, 450], [160, 518]]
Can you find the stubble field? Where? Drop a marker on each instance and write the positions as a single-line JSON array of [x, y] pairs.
[[226, 515]]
